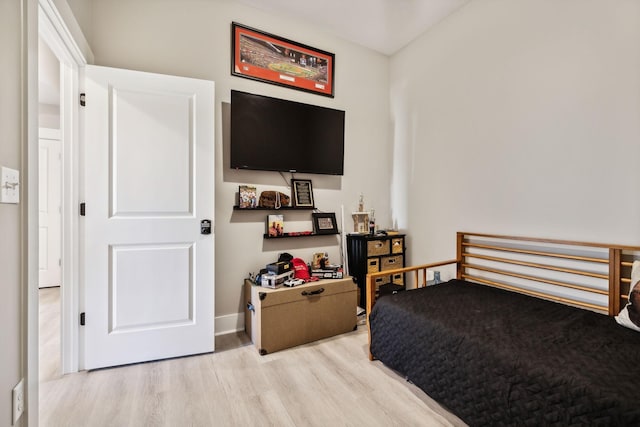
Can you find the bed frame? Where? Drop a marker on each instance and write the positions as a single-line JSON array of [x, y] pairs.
[[592, 276]]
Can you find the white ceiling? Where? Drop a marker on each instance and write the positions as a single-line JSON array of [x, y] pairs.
[[382, 25]]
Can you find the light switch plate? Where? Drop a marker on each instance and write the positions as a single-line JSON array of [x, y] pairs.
[[9, 185]]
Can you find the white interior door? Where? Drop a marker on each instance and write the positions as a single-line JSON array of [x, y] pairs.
[[149, 181], [49, 211]]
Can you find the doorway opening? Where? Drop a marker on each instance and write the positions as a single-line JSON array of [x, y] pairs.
[[59, 111], [49, 212]]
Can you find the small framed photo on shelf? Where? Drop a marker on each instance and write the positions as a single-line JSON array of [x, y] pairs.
[[324, 223], [247, 197], [302, 193], [275, 225]]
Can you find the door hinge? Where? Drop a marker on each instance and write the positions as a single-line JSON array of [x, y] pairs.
[[59, 262], [83, 209], [82, 99], [82, 319]]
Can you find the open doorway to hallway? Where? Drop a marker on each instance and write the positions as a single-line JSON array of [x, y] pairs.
[[49, 210]]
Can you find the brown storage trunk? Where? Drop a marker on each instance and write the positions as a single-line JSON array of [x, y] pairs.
[[276, 319]]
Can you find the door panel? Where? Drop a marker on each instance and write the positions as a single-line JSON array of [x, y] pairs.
[[159, 273], [149, 182], [165, 187], [49, 216]]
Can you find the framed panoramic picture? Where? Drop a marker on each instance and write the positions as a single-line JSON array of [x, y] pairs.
[[272, 59], [324, 223], [302, 193]]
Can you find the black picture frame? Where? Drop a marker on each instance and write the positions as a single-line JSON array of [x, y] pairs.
[[268, 58], [324, 223], [302, 193]]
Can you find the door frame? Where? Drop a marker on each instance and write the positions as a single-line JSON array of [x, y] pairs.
[[73, 53]]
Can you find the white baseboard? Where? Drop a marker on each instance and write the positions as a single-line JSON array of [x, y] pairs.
[[229, 323]]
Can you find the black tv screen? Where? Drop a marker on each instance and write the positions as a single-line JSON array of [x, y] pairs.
[[277, 135]]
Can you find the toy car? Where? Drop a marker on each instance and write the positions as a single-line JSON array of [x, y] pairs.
[[293, 282]]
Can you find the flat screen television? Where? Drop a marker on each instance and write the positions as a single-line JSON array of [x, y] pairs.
[[274, 134]]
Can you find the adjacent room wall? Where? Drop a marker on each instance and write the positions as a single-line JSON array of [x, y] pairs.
[[519, 118], [192, 38]]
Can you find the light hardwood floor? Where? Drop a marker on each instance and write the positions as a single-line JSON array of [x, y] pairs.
[[326, 383]]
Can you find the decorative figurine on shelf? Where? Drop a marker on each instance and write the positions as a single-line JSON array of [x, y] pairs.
[[360, 218]]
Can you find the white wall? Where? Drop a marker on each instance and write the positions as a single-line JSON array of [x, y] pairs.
[[49, 116], [520, 117], [82, 12], [18, 137], [10, 216], [193, 38], [509, 117], [48, 87]]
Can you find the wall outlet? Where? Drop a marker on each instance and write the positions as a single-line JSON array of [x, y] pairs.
[[18, 401]]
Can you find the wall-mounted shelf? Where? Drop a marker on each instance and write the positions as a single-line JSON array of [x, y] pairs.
[[299, 234], [286, 208], [283, 208]]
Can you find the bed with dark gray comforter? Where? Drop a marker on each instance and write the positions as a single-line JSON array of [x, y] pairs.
[[495, 357]]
